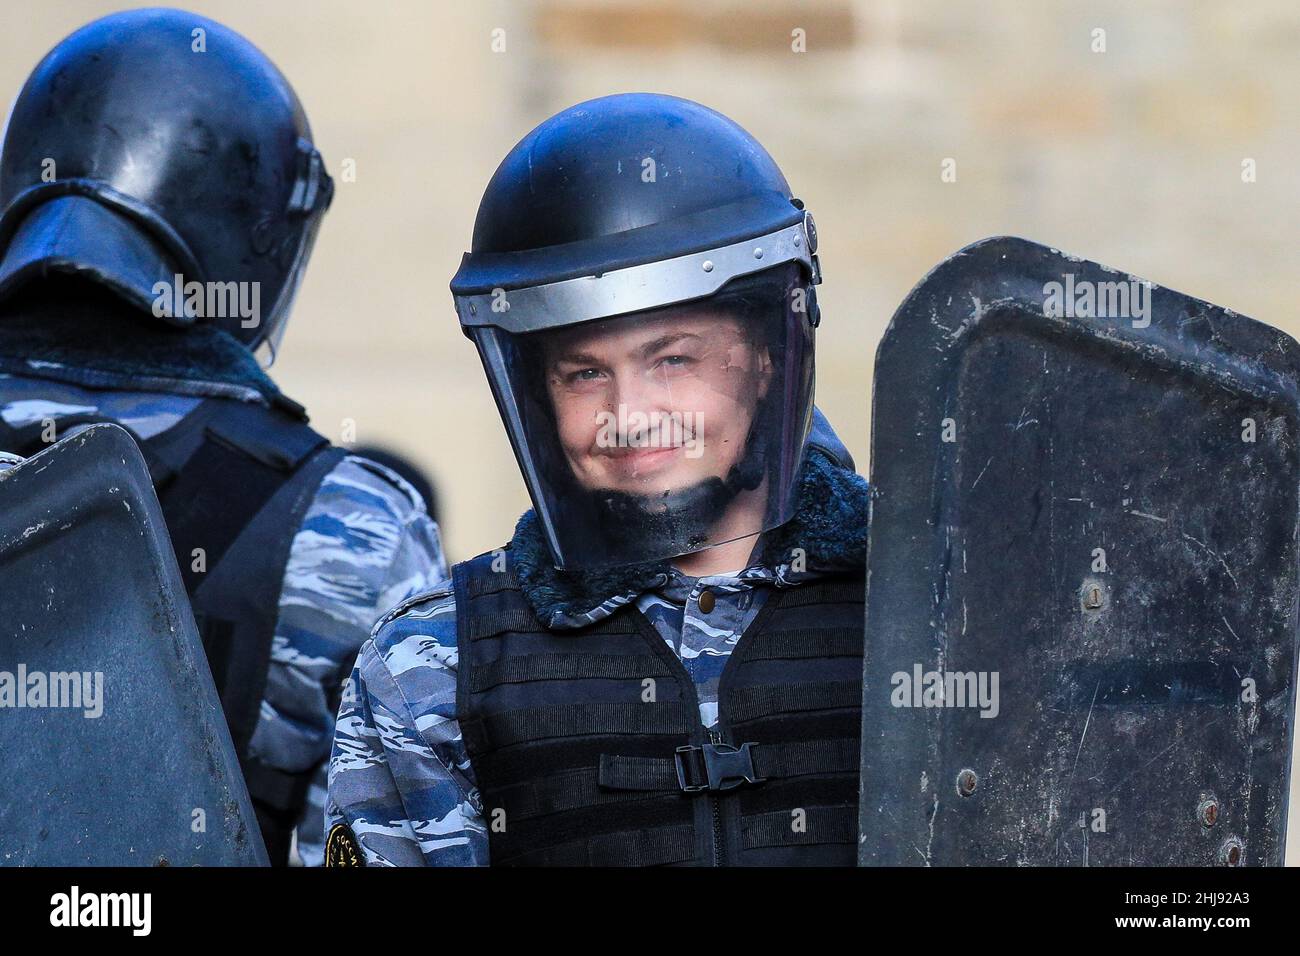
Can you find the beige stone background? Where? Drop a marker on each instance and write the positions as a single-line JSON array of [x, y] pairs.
[[1131, 157]]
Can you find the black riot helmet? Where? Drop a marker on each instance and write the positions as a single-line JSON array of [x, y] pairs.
[[641, 292], [163, 156]]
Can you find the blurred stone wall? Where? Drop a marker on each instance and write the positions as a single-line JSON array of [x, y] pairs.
[[1132, 156]]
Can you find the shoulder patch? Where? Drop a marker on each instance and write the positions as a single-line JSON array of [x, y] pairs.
[[341, 847]]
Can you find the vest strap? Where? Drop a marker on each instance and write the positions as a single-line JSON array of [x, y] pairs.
[[519, 620], [828, 591], [761, 701], [528, 668], [837, 755], [647, 847], [837, 824], [199, 504], [497, 582], [809, 642], [769, 761], [575, 720], [569, 790]]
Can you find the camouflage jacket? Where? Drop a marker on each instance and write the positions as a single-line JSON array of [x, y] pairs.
[[366, 542], [400, 780]]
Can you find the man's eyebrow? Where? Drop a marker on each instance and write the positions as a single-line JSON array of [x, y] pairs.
[[579, 357], [666, 340], [575, 358]]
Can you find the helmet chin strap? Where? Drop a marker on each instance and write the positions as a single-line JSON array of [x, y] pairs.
[[677, 522]]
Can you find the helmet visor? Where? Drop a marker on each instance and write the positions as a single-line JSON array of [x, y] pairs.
[[664, 432], [266, 343]]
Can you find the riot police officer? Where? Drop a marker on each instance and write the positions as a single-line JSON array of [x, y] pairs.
[[159, 197], [663, 665]]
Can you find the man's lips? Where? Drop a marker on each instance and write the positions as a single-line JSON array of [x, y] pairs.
[[638, 461]]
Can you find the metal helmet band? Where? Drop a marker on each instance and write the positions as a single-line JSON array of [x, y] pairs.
[[637, 288]]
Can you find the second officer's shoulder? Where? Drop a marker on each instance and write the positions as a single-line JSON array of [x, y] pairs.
[[368, 482]]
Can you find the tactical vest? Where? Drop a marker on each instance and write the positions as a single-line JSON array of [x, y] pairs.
[[588, 749], [234, 480]]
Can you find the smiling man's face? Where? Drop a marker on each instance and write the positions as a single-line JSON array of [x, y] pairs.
[[653, 404]]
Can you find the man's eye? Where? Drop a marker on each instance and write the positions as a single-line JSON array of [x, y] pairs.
[[676, 361], [584, 375]]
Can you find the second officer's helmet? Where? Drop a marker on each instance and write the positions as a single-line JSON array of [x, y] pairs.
[[641, 292], [163, 156]]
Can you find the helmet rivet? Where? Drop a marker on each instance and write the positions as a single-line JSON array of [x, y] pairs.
[[798, 241], [708, 265], [758, 253]]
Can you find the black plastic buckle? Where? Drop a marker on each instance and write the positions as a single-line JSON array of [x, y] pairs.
[[721, 766]]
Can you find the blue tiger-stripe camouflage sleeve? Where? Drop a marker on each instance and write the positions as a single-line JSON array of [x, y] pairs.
[[399, 776], [366, 542]]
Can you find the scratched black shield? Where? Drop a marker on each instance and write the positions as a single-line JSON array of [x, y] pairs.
[[135, 766], [1081, 613]]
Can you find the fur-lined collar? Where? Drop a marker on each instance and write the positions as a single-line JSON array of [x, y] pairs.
[[119, 351], [829, 529]]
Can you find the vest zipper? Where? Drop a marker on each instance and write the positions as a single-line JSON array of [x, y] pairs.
[[715, 734], [715, 804]]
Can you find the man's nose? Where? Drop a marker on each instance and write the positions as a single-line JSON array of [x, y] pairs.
[[641, 391]]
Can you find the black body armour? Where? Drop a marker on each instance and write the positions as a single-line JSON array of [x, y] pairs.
[[588, 748], [234, 479]]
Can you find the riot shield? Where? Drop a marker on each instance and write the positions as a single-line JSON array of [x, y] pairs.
[[113, 747], [1082, 572]]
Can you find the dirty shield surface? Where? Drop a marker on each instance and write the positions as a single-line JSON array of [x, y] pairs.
[[1082, 591], [113, 747]]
